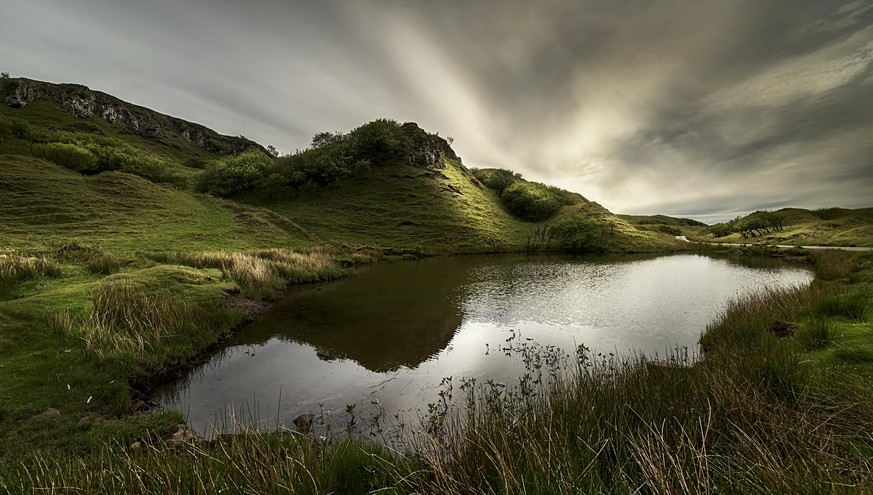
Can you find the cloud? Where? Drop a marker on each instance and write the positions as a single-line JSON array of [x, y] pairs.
[[667, 106]]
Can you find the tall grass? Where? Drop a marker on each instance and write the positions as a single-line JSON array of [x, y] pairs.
[[749, 418], [252, 463], [103, 264], [130, 319], [16, 268], [832, 264], [262, 273], [814, 334], [848, 304]]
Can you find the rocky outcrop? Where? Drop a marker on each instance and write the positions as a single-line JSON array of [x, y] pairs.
[[424, 149], [83, 102]]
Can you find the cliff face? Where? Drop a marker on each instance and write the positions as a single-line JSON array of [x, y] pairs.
[[426, 150], [83, 102]]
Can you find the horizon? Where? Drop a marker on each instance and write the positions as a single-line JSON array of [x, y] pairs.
[[654, 110]]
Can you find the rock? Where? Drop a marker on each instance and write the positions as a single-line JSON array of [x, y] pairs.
[[135, 446], [783, 329], [426, 150], [83, 102], [48, 413], [303, 423], [184, 434]]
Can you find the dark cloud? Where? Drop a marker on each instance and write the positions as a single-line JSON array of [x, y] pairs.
[[673, 106]]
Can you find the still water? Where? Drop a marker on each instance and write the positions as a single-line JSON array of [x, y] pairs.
[[385, 337]]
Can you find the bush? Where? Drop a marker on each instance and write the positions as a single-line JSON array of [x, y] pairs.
[[377, 140], [14, 128], [577, 233], [71, 156], [497, 179], [235, 174], [530, 201]]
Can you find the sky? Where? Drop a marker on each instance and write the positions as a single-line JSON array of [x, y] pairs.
[[691, 108]]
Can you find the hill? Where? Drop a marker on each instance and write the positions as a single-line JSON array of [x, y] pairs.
[[666, 224], [45, 205], [382, 184], [797, 226]]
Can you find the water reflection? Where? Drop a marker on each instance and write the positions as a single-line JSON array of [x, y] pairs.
[[390, 333]]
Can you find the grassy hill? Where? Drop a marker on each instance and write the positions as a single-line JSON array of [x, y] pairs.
[[413, 194], [796, 226], [398, 205], [47, 206], [665, 224]]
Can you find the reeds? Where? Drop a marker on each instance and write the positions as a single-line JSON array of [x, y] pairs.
[[832, 264], [252, 463], [749, 418], [262, 273], [130, 319]]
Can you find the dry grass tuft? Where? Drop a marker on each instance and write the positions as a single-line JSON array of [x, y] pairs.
[[129, 319], [15, 269], [263, 273]]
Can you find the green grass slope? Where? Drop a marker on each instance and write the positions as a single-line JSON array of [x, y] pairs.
[[398, 205], [47, 206], [800, 227], [665, 224]]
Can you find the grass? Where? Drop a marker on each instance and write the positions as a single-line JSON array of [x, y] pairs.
[[252, 463], [46, 205], [442, 211], [263, 273], [814, 334], [147, 269], [15, 268], [826, 227], [103, 264], [758, 415]]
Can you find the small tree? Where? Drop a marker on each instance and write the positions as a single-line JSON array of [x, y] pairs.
[[4, 75], [322, 139]]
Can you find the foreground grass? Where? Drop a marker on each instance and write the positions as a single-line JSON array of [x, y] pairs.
[[760, 414]]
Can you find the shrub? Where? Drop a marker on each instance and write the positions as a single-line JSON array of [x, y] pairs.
[[71, 156], [530, 201], [497, 179], [829, 213], [376, 140], [14, 128], [577, 233], [235, 174]]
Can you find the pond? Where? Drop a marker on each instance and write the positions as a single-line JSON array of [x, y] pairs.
[[383, 339]]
